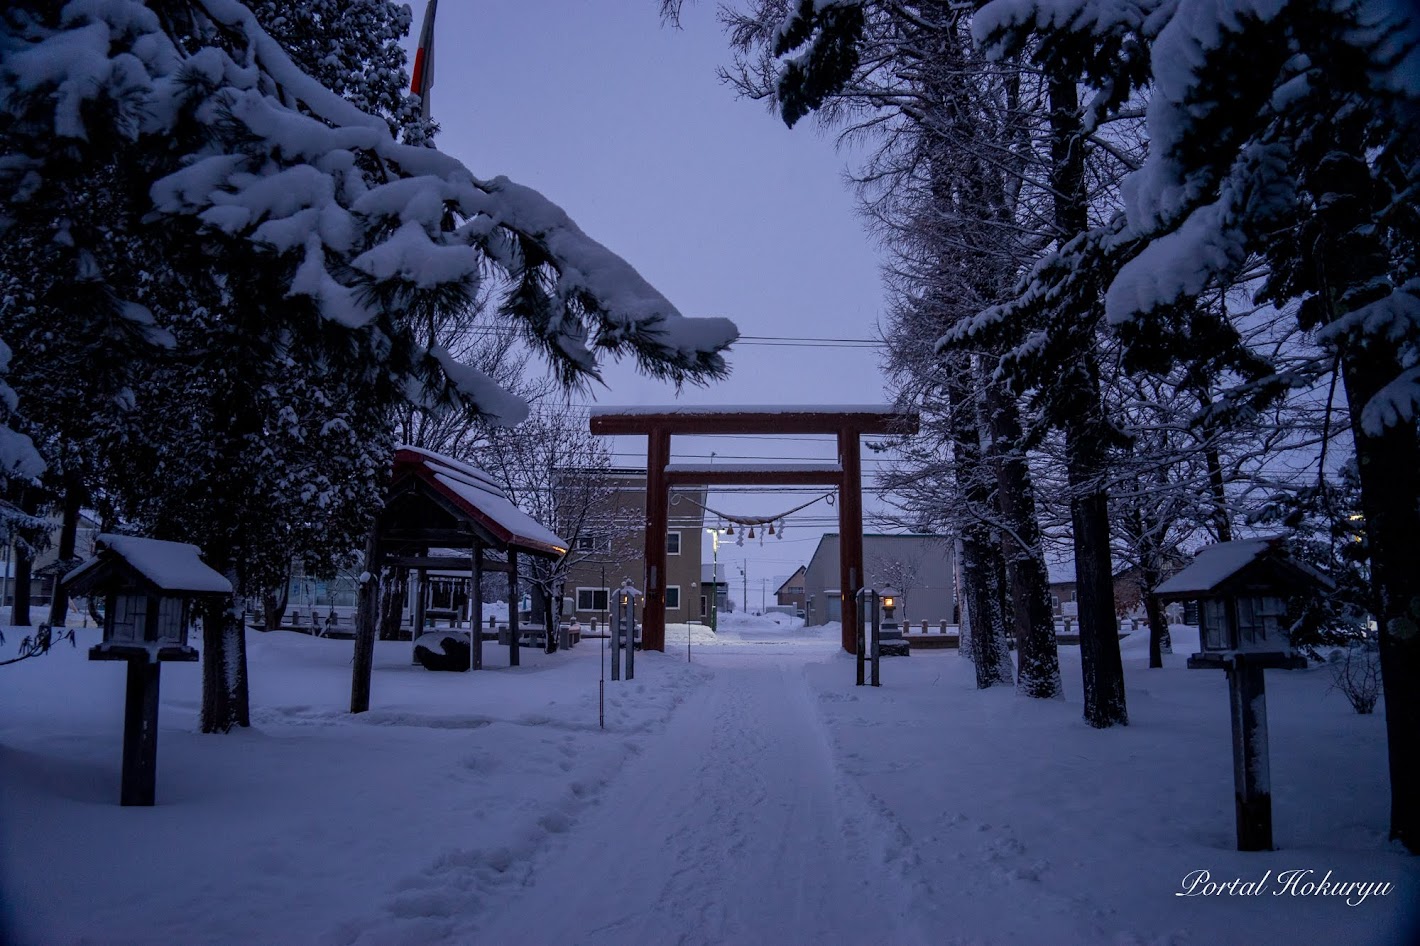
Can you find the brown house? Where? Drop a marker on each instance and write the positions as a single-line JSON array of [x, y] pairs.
[[792, 591], [610, 549]]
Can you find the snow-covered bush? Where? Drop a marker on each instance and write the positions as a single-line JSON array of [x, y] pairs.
[[1356, 672]]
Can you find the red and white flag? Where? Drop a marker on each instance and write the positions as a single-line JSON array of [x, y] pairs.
[[424, 60]]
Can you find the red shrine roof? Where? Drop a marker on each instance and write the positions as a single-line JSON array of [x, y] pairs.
[[474, 493]]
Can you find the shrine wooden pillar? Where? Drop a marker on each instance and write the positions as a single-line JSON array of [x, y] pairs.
[[653, 604], [850, 533], [514, 659], [475, 607]]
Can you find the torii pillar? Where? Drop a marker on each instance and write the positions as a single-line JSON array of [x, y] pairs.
[[659, 424]]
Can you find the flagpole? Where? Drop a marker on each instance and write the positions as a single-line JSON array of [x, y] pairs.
[[423, 79]]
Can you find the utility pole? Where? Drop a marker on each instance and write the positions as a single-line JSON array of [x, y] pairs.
[[714, 577], [744, 583], [763, 595]]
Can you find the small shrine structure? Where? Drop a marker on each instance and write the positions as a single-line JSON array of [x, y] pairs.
[[444, 515]]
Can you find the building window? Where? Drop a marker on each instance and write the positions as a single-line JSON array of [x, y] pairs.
[[1055, 602], [672, 543], [673, 597], [593, 542], [704, 606], [591, 599]]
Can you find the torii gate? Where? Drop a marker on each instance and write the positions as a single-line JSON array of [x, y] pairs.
[[658, 424]]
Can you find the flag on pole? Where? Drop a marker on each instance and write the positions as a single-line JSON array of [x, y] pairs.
[[424, 60]]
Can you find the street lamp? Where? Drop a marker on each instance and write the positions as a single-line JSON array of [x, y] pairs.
[[714, 578]]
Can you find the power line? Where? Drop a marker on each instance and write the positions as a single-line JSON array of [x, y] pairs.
[[789, 341]]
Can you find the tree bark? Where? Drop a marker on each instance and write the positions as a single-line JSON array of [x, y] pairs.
[[24, 567], [367, 619], [1037, 657], [1085, 430], [273, 605], [1389, 468], [68, 537], [983, 572], [1101, 667], [394, 584], [1159, 642], [224, 679], [1222, 524]]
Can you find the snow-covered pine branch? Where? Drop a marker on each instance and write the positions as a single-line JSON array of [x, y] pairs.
[[325, 189]]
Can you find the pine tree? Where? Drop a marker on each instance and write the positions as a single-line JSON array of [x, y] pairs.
[[290, 246], [1290, 134]]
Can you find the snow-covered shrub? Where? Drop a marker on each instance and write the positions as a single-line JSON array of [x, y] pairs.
[[1356, 670]]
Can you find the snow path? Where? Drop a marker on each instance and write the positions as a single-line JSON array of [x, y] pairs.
[[736, 828]]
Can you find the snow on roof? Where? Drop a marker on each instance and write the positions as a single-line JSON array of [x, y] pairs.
[[633, 409], [172, 566], [1215, 564], [483, 498]]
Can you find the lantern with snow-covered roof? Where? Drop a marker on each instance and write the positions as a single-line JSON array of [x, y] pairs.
[[1242, 589], [147, 585]]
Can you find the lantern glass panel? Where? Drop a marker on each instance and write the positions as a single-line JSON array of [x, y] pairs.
[[1260, 623], [130, 617], [170, 620], [1215, 625]]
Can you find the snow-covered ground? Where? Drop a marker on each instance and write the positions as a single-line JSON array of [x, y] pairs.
[[750, 794]]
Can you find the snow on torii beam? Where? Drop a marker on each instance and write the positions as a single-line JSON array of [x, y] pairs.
[[658, 424]]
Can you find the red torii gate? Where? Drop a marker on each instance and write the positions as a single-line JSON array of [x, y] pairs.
[[658, 424]]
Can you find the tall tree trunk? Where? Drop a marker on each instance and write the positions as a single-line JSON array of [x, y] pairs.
[[24, 569], [1037, 657], [1389, 468], [68, 537], [982, 571], [1222, 525], [273, 604], [367, 621], [1353, 260], [394, 585], [982, 564], [1149, 577], [1101, 666], [225, 702], [1085, 430]]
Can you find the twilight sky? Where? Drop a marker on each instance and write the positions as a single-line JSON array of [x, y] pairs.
[[624, 123]]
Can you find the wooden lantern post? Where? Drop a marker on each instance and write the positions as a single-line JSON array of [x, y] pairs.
[[147, 586], [1241, 588]]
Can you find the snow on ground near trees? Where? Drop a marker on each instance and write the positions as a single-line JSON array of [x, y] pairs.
[[750, 795]]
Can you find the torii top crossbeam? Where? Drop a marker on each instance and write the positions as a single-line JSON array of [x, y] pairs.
[[767, 419], [658, 424]]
